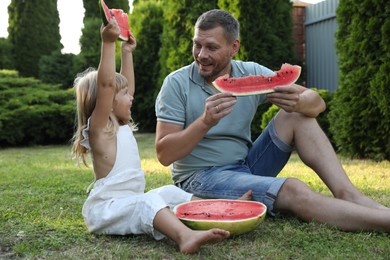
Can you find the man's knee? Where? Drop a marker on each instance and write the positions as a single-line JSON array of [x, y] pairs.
[[293, 196], [289, 119], [287, 124]]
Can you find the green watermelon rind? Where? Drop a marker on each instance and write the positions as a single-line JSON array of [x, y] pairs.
[[263, 86], [102, 12], [235, 227]]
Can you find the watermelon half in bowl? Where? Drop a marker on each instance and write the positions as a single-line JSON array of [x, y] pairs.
[[236, 216]]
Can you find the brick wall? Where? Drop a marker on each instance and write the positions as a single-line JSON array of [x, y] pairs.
[[298, 16]]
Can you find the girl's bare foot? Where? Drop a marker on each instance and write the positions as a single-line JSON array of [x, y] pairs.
[[196, 239], [246, 196]]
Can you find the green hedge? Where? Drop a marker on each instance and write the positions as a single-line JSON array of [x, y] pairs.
[[360, 111], [34, 113]]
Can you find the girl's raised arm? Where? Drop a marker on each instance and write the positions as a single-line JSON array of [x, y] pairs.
[[127, 68], [106, 79]]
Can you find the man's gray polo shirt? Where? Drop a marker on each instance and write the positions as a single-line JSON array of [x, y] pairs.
[[182, 100]]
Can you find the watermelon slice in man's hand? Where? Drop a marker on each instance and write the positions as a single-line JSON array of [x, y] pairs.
[[258, 84]]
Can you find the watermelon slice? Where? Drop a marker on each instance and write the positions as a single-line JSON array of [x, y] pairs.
[[120, 16], [253, 85]]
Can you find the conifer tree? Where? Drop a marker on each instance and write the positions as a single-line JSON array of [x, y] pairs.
[[5, 54], [33, 32], [360, 111], [146, 25], [176, 42], [265, 30]]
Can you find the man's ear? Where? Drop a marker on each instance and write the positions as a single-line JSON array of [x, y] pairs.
[[235, 47]]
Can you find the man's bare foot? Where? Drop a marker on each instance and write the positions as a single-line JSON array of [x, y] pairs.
[[368, 202], [196, 239], [246, 196], [361, 199]]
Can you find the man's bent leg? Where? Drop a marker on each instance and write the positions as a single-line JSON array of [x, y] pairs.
[[316, 151], [269, 153]]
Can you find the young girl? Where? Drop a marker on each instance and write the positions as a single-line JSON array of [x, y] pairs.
[[117, 203]]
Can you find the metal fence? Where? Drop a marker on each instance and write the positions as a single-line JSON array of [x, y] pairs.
[[321, 58]]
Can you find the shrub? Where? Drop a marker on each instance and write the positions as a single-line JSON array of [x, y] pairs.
[[57, 68], [34, 113], [360, 113], [268, 115]]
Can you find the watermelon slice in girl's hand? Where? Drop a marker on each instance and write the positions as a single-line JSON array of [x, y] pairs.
[[120, 16], [253, 85]]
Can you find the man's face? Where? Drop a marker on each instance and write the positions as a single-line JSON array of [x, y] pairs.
[[212, 52]]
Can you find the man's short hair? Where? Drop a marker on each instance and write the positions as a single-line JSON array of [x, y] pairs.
[[216, 17]]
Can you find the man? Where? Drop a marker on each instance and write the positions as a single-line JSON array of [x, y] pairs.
[[205, 137]]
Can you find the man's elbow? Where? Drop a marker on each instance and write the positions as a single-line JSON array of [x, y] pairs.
[[164, 160]]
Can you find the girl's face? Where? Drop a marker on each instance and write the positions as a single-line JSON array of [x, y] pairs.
[[122, 105]]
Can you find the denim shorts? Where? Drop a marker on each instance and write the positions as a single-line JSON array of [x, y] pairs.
[[265, 159]]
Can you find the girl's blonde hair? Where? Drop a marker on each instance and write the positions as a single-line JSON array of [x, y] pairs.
[[85, 86]]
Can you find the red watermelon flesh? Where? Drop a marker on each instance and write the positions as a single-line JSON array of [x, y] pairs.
[[236, 216], [120, 16], [219, 210], [253, 85]]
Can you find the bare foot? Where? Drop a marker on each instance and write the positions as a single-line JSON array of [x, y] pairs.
[[198, 238], [247, 196], [364, 200], [368, 202]]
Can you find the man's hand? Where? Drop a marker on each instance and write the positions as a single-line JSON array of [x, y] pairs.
[[287, 98], [217, 107], [296, 98]]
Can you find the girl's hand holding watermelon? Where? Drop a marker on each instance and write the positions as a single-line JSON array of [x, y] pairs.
[[130, 45], [110, 32]]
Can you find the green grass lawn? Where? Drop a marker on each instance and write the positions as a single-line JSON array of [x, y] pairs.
[[42, 191]]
